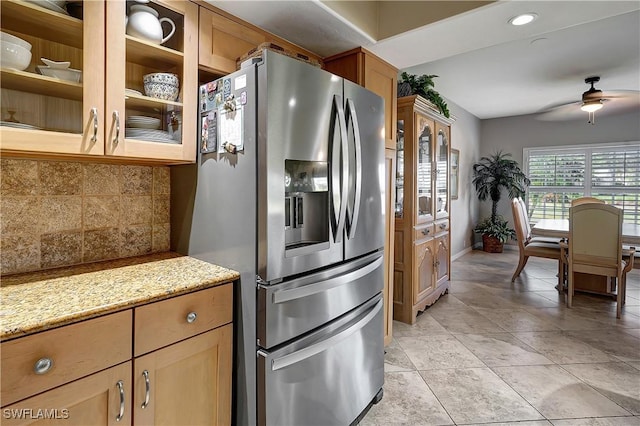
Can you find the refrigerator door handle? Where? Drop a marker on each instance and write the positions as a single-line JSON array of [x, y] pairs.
[[352, 221], [309, 351], [339, 171], [308, 290]]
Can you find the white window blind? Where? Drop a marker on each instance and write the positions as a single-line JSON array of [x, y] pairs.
[[610, 172]]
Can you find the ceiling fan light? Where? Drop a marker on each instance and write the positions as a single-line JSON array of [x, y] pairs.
[[523, 19], [591, 106]]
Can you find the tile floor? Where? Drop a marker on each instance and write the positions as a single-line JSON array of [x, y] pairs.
[[492, 352]]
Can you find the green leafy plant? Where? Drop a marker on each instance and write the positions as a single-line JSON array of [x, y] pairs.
[[423, 85], [491, 176], [498, 229]]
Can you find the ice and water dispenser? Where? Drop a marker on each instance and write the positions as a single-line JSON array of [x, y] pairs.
[[306, 205]]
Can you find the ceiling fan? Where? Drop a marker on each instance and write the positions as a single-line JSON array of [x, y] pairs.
[[594, 100]]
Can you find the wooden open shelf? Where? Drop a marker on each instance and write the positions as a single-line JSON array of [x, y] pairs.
[[143, 53], [29, 18], [140, 101], [40, 84]]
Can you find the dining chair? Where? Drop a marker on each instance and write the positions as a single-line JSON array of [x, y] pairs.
[[528, 247], [595, 247], [585, 200], [527, 226]]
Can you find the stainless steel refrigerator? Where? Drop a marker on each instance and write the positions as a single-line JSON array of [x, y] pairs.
[[288, 190]]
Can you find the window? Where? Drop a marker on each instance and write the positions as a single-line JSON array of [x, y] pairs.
[[558, 175]]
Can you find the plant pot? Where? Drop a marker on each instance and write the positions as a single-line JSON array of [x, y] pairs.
[[491, 244]]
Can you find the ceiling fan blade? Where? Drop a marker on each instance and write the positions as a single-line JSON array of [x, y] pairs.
[[614, 102]]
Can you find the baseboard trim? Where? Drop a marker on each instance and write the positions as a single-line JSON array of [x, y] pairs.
[[462, 253]]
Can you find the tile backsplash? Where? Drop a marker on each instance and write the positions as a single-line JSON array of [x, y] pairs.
[[59, 213]]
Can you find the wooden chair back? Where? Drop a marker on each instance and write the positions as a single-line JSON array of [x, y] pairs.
[[595, 238], [585, 200], [522, 234]]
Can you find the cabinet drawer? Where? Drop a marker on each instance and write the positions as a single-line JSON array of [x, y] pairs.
[[442, 226], [75, 351], [424, 232], [162, 323]]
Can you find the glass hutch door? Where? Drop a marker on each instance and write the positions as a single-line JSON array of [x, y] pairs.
[[424, 170], [442, 173]]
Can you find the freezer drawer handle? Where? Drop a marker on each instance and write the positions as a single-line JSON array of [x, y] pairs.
[[308, 290], [310, 351], [352, 216]]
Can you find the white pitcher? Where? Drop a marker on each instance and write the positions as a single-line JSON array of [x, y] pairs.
[[143, 23]]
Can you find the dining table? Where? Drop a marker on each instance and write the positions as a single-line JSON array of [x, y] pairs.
[[559, 228]]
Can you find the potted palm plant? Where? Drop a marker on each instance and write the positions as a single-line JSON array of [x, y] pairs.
[[491, 176]]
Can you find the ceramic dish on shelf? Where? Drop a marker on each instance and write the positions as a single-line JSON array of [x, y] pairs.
[[143, 122], [68, 74], [147, 134], [55, 5], [132, 92], [18, 125], [15, 40]]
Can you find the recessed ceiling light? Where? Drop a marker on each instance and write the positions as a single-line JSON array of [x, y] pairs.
[[523, 19]]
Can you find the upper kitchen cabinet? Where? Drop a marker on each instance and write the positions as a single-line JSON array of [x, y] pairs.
[[422, 198], [151, 80], [366, 69], [224, 39], [45, 112], [42, 113]]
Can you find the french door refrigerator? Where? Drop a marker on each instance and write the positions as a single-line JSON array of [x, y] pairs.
[[288, 190]]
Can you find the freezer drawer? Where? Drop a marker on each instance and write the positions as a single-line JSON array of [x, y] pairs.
[[326, 378], [291, 308]]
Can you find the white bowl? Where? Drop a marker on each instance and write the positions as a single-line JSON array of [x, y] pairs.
[[14, 56], [67, 74], [15, 40]]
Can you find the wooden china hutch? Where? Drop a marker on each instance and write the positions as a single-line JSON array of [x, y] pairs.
[[422, 210]]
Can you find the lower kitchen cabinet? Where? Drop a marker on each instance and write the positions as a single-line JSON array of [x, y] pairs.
[[187, 383], [179, 351], [99, 399]]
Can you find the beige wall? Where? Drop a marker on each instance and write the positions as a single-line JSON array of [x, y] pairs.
[[57, 213]]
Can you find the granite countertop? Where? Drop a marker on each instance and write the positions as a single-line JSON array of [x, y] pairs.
[[41, 300]]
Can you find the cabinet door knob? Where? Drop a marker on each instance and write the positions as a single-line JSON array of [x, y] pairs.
[[120, 385], [147, 389], [43, 365], [191, 317], [425, 231]]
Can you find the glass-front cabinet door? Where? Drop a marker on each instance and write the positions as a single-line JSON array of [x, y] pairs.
[[399, 206], [423, 168], [442, 172], [52, 77], [151, 79]]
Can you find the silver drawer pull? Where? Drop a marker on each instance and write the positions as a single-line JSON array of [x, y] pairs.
[[147, 388], [425, 232], [443, 225], [120, 385], [43, 365], [191, 317]]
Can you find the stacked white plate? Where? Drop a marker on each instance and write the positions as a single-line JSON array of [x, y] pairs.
[[18, 125], [143, 122], [149, 135]]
